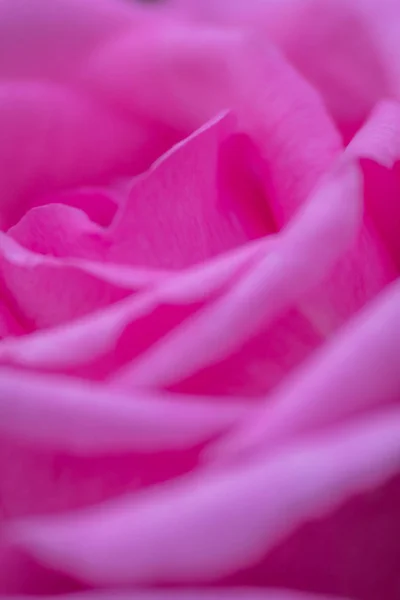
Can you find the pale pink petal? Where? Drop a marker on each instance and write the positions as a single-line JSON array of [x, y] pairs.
[[234, 517], [356, 372], [83, 239], [43, 291], [99, 343], [85, 418]]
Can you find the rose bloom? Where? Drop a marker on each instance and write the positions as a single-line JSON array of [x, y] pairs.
[[199, 305]]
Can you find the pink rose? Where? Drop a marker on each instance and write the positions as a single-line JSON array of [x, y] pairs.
[[199, 304]]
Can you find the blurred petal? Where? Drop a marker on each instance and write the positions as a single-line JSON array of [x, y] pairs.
[[53, 137], [145, 539], [258, 365], [71, 28], [356, 372], [341, 46], [202, 70], [218, 594], [84, 417], [377, 145]]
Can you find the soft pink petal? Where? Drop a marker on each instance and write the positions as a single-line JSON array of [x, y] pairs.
[[302, 257], [44, 24], [181, 212], [53, 137], [202, 70], [99, 204], [84, 417], [44, 291], [259, 364], [146, 540], [60, 231], [333, 45], [377, 144], [101, 342], [200, 199], [56, 244], [338, 45], [356, 372]]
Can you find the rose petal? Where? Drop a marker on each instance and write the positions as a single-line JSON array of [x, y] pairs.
[[179, 213], [101, 342], [145, 539], [72, 28], [356, 372], [202, 70], [10, 321], [53, 137], [303, 255], [61, 231], [84, 417], [210, 199], [224, 594], [256, 366], [44, 291], [377, 144], [99, 204], [338, 45]]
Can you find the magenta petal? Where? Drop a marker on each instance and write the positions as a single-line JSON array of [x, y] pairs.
[[202, 70], [335, 46], [99, 203], [53, 137], [11, 323], [256, 366], [70, 30], [338, 45], [145, 539], [60, 231], [377, 145], [302, 255], [176, 215], [356, 372], [195, 202], [190, 594]]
